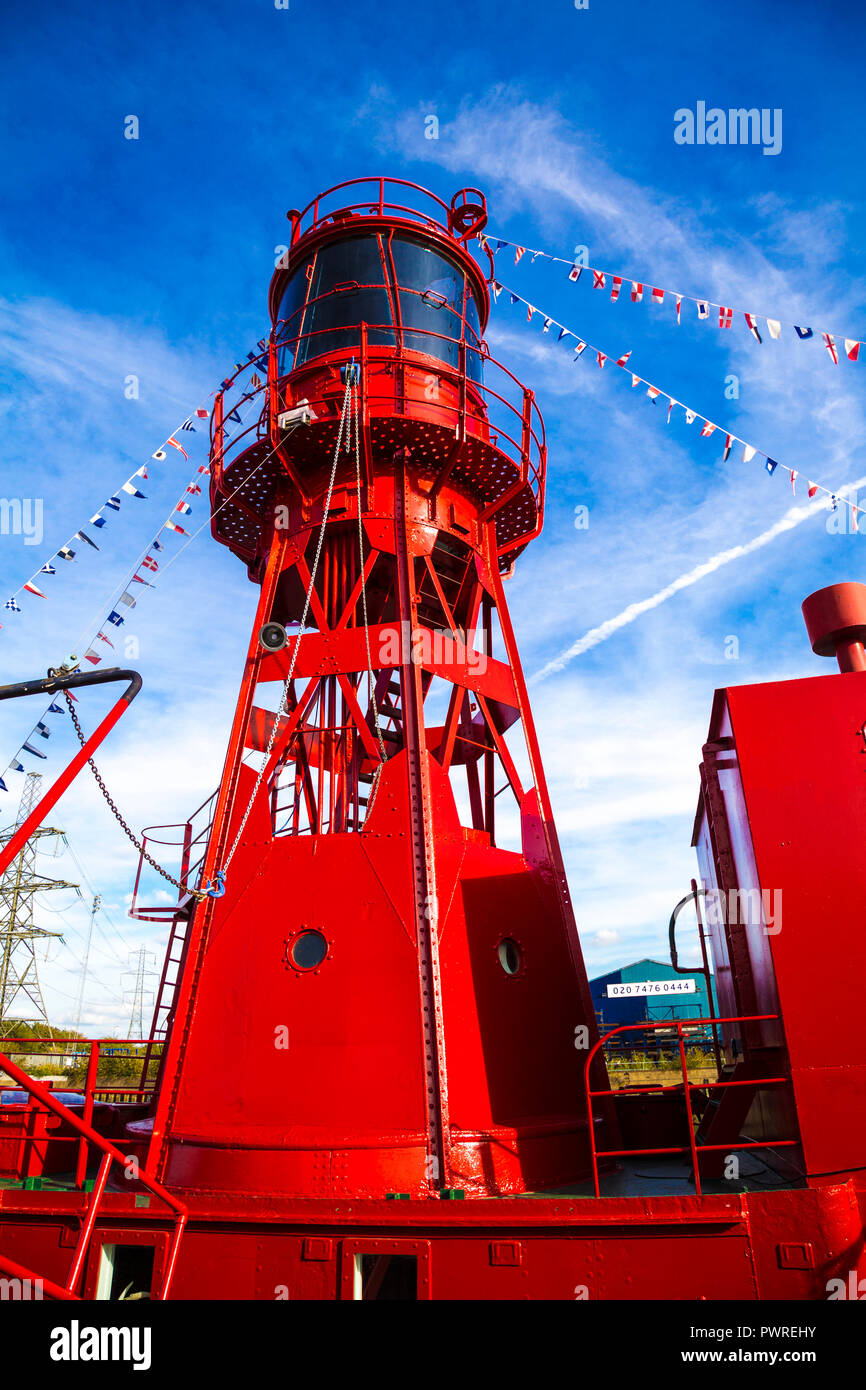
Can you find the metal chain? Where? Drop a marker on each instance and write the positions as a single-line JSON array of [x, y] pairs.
[[118, 817], [371, 688]]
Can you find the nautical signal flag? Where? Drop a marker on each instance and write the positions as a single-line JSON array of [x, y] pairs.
[[658, 296], [149, 563], [726, 317], [174, 444], [114, 503], [201, 414], [13, 605], [93, 657], [753, 327], [170, 526], [81, 536], [32, 589], [183, 507], [802, 332], [707, 429], [774, 328], [574, 273], [616, 286], [133, 491], [812, 489], [852, 349], [519, 252], [115, 618], [159, 455], [598, 280], [64, 553], [749, 452], [729, 439], [703, 309], [636, 292], [771, 465], [26, 748], [830, 344], [107, 640], [48, 569]]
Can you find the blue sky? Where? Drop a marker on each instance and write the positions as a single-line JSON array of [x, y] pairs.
[[152, 257]]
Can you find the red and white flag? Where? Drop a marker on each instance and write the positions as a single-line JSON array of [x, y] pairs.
[[194, 489], [102, 638], [601, 358], [201, 414], [615, 287], [726, 316], [32, 589], [657, 296], [812, 489], [636, 292], [729, 439], [753, 327], [830, 344], [183, 507], [180, 449], [621, 361], [598, 280], [149, 563], [170, 526], [794, 476], [707, 429], [529, 312], [679, 306], [852, 352], [653, 392], [518, 252]]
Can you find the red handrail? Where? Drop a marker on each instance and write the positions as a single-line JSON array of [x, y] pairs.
[[687, 1087], [110, 1155]]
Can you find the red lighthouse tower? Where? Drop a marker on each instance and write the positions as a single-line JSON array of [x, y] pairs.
[[386, 998]]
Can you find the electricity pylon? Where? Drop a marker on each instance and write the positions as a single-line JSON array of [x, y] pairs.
[[19, 973], [136, 1021]]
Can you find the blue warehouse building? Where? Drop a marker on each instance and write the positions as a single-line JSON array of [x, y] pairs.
[[649, 991]]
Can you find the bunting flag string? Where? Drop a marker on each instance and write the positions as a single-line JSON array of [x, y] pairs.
[[833, 342], [124, 601], [708, 427], [131, 487]]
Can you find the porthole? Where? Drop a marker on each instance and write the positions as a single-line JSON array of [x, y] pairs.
[[308, 950], [510, 957]]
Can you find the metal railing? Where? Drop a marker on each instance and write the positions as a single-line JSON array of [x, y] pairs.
[[191, 840], [685, 1088], [503, 416], [110, 1154], [92, 1089], [378, 202]]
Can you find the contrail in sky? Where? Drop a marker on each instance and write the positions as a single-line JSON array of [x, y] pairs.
[[795, 516]]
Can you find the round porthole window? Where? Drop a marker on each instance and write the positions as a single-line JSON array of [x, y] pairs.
[[510, 957], [308, 950]]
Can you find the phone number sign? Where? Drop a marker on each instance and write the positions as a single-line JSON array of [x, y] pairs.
[[638, 988]]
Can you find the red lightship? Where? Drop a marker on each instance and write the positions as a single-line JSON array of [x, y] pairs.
[[377, 1067]]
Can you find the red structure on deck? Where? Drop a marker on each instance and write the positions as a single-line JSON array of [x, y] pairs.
[[373, 1000], [430, 981]]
